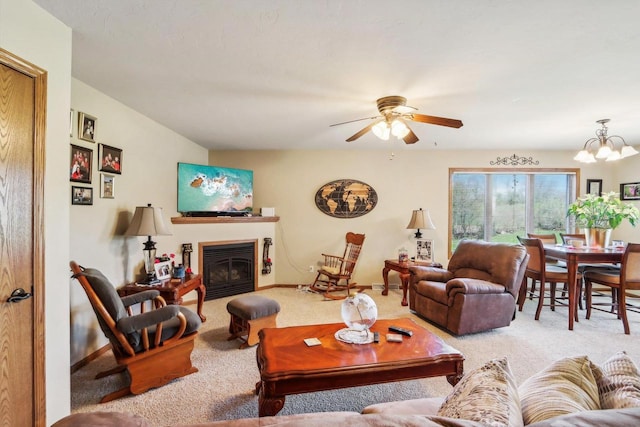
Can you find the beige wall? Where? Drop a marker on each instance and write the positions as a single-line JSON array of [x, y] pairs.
[[32, 34], [288, 180], [149, 175]]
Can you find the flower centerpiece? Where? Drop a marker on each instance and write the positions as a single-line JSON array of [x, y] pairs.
[[598, 215]]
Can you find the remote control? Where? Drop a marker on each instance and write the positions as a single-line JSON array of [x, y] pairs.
[[399, 330], [376, 337]]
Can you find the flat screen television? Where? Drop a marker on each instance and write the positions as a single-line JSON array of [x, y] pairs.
[[214, 191]]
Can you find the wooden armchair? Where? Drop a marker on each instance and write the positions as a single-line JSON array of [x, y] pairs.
[[154, 346], [335, 274]]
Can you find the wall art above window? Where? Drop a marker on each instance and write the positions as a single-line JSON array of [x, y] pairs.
[[346, 198]]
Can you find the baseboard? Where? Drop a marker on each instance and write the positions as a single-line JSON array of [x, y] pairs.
[[93, 356]]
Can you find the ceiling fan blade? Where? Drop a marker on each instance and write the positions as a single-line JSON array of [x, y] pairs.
[[440, 121], [362, 131], [410, 138], [356, 120]]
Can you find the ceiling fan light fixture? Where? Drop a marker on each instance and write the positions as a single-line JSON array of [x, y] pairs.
[[381, 130], [399, 129], [610, 148]]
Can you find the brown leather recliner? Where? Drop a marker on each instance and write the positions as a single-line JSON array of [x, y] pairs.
[[478, 290]]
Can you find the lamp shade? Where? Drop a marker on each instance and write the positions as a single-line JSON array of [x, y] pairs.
[[421, 221], [147, 221]]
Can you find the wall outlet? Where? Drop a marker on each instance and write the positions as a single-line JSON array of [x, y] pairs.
[[311, 269]]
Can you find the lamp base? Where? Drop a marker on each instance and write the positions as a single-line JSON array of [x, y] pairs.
[[418, 234]]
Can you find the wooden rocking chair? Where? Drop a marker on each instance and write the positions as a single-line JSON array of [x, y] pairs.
[[335, 274], [154, 347]]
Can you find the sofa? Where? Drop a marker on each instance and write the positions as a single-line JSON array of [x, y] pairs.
[[477, 291], [571, 391]]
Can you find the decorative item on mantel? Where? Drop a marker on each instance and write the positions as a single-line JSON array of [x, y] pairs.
[[598, 215]]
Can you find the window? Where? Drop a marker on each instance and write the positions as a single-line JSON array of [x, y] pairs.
[[498, 205]]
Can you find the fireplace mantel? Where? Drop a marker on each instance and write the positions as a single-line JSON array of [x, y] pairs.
[[222, 219]]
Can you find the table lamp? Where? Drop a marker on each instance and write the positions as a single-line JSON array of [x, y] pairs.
[[148, 221], [419, 220]]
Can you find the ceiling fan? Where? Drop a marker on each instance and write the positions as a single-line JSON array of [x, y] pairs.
[[394, 112]]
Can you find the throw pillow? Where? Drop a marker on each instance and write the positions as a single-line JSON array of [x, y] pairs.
[[488, 394], [567, 385], [619, 386]]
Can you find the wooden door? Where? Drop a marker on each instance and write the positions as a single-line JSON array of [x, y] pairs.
[[22, 125]]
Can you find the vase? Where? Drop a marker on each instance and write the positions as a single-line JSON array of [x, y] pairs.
[[597, 237]]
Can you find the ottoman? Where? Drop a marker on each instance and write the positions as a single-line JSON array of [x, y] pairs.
[[249, 314]]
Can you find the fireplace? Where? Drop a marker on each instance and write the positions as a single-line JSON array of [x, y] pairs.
[[228, 268]]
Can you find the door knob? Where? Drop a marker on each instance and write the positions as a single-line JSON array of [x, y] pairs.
[[19, 295]]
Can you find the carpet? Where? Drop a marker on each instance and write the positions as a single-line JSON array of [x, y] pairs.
[[224, 386]]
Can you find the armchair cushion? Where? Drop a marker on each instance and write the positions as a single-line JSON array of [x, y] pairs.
[[131, 324], [133, 299]]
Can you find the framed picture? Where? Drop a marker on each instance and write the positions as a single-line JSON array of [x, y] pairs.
[[630, 191], [81, 195], [80, 164], [110, 159], [594, 186], [107, 186], [163, 270], [86, 127], [424, 250]]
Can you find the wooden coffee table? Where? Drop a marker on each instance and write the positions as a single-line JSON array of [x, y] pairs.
[[288, 366]]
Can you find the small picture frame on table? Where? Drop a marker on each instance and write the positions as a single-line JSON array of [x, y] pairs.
[[81, 195], [107, 186], [630, 191], [594, 186], [163, 270], [86, 127], [424, 250], [110, 159]]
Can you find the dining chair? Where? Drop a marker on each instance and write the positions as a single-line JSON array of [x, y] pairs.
[[620, 283], [547, 239], [538, 270], [568, 237]]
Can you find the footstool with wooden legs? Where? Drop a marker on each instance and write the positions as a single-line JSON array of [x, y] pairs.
[[250, 314]]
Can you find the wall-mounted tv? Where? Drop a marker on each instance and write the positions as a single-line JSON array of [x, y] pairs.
[[212, 190]]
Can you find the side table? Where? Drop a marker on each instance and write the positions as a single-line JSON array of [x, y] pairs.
[[172, 290], [403, 270]]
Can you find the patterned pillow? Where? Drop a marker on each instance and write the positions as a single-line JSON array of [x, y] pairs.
[[487, 394], [567, 385], [619, 386]]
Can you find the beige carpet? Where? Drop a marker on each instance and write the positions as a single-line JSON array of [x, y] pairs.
[[223, 387]]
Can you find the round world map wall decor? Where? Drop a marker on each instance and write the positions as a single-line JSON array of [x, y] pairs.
[[346, 198]]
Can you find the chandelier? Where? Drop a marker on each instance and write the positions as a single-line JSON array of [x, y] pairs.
[[611, 148]]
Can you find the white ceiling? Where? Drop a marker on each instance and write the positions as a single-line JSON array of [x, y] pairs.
[[274, 74]]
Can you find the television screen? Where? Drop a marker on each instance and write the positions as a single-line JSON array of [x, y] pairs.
[[213, 189]]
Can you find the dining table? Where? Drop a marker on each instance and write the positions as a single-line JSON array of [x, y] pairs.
[[573, 256]]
